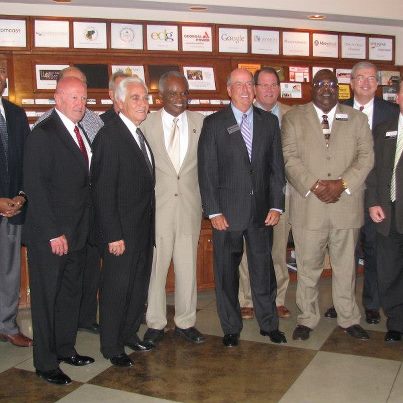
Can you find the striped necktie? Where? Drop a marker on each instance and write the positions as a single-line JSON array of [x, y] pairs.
[[247, 134], [326, 129], [4, 137], [399, 148]]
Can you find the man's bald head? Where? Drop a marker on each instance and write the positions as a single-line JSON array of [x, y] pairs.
[[71, 97]]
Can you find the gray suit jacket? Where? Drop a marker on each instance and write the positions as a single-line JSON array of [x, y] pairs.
[[349, 156], [175, 192]]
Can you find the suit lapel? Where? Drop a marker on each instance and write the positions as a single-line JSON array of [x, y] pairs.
[[161, 143], [229, 121], [389, 148], [316, 128]]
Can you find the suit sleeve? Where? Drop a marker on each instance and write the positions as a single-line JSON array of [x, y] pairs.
[[104, 184], [208, 168]]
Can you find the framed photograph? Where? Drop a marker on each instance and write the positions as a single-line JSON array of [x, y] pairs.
[[291, 90], [156, 71], [162, 37], [89, 35], [131, 70], [388, 77], [389, 93], [46, 75], [295, 43], [344, 91], [252, 67], [51, 34], [353, 47], [232, 40], [13, 33], [97, 75], [298, 74], [343, 76], [126, 36], [265, 42], [200, 78], [197, 39], [380, 49], [325, 45]]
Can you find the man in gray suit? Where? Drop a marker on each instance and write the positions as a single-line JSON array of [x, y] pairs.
[[173, 134], [241, 175], [328, 154]]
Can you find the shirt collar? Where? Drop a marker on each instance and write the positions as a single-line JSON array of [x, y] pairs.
[[238, 114], [70, 125], [366, 106]]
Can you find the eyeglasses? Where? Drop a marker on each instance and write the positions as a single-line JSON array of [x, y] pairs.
[[268, 86], [322, 84], [361, 79], [239, 84], [173, 94]]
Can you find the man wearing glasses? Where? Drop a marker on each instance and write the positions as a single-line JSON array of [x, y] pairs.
[[241, 176], [364, 83], [328, 154]]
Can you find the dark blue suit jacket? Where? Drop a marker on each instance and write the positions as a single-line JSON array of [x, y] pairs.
[[18, 130]]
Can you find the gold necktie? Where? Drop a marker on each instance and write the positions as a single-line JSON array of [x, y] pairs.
[[173, 145]]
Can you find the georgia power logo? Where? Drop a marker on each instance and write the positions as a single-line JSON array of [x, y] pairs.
[[90, 33], [127, 34]]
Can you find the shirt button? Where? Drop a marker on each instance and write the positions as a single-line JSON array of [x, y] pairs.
[[329, 174]]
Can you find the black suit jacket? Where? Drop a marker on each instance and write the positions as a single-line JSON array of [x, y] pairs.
[[18, 130], [379, 179], [110, 114], [122, 187], [229, 183], [383, 110], [56, 181]]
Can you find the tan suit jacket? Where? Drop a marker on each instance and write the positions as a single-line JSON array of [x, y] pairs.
[[349, 156], [172, 188]]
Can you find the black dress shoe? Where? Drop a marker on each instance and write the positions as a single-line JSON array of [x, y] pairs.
[[301, 332], [153, 336], [357, 332], [191, 334], [331, 313], [56, 376], [393, 335], [230, 339], [372, 316], [275, 336], [122, 360], [94, 328], [141, 346], [76, 360]]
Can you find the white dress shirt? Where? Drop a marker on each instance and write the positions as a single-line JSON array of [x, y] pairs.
[[368, 110]]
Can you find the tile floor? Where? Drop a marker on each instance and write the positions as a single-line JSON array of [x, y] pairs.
[[328, 368]]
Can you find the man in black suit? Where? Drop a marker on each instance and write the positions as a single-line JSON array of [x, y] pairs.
[[123, 192], [56, 181], [14, 129], [384, 199], [364, 83], [241, 176]]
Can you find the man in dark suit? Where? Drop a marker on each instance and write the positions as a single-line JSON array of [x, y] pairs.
[[364, 83], [123, 192], [56, 181], [241, 176], [384, 199], [14, 129]]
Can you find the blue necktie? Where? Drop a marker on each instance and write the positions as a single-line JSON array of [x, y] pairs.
[[247, 134]]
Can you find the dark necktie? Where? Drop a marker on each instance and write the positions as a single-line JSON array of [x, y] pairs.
[[144, 149], [4, 137], [81, 144], [361, 108], [247, 134], [326, 129]]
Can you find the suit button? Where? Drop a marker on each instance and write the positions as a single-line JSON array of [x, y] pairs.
[[251, 171], [176, 194], [179, 177], [329, 174]]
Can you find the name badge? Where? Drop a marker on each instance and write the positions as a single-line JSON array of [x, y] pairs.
[[342, 116], [391, 134], [232, 129]]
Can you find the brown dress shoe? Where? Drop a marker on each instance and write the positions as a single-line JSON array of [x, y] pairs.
[[247, 313], [283, 312], [18, 339]]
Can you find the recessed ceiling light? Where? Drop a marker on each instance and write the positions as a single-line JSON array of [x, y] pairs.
[[62, 1], [198, 8], [317, 17]]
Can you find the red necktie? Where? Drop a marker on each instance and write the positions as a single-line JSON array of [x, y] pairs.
[[361, 108], [81, 143]]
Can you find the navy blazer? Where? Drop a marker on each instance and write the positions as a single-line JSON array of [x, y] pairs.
[[18, 130], [229, 182]]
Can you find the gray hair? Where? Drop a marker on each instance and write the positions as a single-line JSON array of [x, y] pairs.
[[164, 78], [63, 72], [363, 65], [114, 76], [121, 89]]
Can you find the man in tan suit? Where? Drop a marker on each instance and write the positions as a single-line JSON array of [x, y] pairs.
[[173, 134], [267, 91], [328, 154]]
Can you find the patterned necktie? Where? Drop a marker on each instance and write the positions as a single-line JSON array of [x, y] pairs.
[[399, 148], [81, 144], [173, 145], [326, 129], [144, 150], [4, 137], [247, 134], [361, 108]]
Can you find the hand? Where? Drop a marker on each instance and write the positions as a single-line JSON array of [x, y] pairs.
[[117, 248], [219, 222], [59, 246], [272, 217], [377, 214], [8, 207], [329, 191]]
